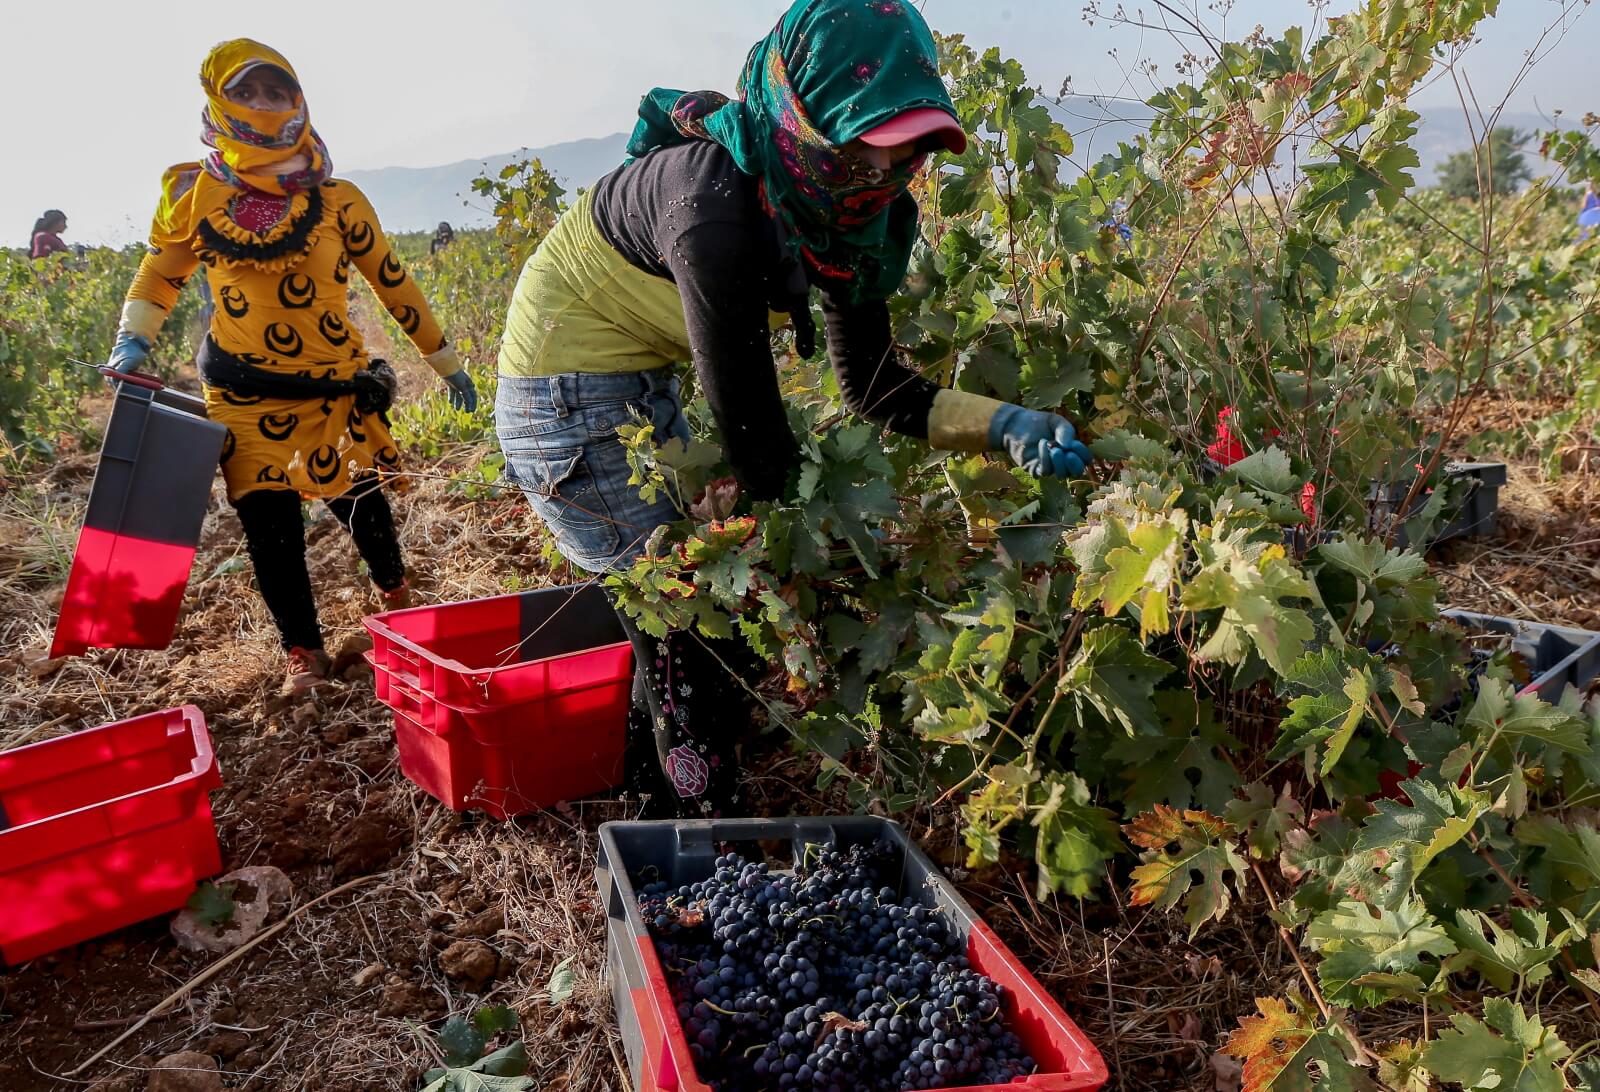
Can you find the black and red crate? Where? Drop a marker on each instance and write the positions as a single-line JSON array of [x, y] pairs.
[[507, 704], [683, 851], [146, 509]]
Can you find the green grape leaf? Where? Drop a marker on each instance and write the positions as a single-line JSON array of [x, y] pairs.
[[1120, 445], [1499, 710], [1437, 818], [212, 903], [1114, 674], [491, 1020], [1507, 1051], [1184, 764], [1073, 839], [1400, 1068], [1267, 469], [1264, 819], [1146, 570], [1585, 1075], [1504, 955], [509, 1061], [1333, 687], [461, 1042], [1251, 595], [1327, 850], [1356, 940], [1343, 187], [563, 980], [1570, 865], [466, 1080], [984, 642], [1178, 846], [1373, 563]]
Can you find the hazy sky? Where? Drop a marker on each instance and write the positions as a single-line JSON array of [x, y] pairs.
[[102, 95]]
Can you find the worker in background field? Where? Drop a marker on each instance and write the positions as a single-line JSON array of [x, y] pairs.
[[443, 236], [1589, 212], [283, 368], [730, 210], [46, 237]]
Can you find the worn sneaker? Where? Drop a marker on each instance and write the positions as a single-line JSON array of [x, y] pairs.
[[308, 669]]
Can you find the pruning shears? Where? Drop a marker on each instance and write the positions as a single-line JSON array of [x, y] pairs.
[[138, 379], [167, 395]]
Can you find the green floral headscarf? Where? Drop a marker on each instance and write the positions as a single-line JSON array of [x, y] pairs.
[[831, 71]]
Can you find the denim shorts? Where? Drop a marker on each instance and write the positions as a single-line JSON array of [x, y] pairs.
[[559, 436]]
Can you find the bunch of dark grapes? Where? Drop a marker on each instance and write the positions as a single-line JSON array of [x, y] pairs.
[[825, 981]]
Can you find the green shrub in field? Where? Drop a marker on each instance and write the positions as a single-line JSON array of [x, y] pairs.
[[469, 285], [65, 306]]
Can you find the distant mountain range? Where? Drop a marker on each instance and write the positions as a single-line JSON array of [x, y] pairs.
[[417, 198]]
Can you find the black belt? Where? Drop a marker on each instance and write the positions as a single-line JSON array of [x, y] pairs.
[[373, 387]]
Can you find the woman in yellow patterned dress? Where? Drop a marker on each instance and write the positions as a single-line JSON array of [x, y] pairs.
[[283, 368]]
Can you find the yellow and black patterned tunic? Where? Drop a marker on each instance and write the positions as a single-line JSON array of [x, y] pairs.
[[282, 303]]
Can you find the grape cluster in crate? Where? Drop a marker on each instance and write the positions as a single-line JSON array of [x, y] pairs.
[[825, 980]]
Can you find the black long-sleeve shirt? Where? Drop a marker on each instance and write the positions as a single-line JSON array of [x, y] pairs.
[[688, 214]]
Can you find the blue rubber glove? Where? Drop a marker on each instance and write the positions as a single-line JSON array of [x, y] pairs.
[[677, 429], [128, 352], [463, 393], [666, 414], [1043, 444]]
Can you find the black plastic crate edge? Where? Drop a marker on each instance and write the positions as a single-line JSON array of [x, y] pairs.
[[1578, 668], [1478, 516]]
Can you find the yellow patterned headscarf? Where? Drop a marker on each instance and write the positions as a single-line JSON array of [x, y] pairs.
[[274, 151], [247, 145]]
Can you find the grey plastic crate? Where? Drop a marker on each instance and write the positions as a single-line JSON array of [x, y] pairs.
[[1557, 656], [1477, 517], [683, 851]]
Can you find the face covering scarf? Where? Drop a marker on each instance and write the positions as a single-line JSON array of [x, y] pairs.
[[257, 155], [830, 71], [271, 151]]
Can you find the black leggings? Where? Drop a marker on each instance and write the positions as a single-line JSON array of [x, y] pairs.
[[275, 537], [688, 714]]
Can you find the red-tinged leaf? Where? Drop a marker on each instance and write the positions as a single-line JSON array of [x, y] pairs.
[[1285, 1049], [1159, 828], [690, 917], [1179, 845], [838, 1021]]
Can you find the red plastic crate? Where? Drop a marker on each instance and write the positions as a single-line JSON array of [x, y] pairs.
[[658, 1051], [486, 654], [508, 704], [104, 828], [518, 758]]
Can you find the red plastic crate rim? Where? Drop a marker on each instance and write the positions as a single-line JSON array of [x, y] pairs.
[[486, 654], [680, 850], [1045, 1030], [104, 828]]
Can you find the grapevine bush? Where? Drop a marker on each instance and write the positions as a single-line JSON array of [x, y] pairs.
[[1211, 680], [468, 285], [60, 307]]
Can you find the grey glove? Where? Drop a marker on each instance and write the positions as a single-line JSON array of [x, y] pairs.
[[463, 392]]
